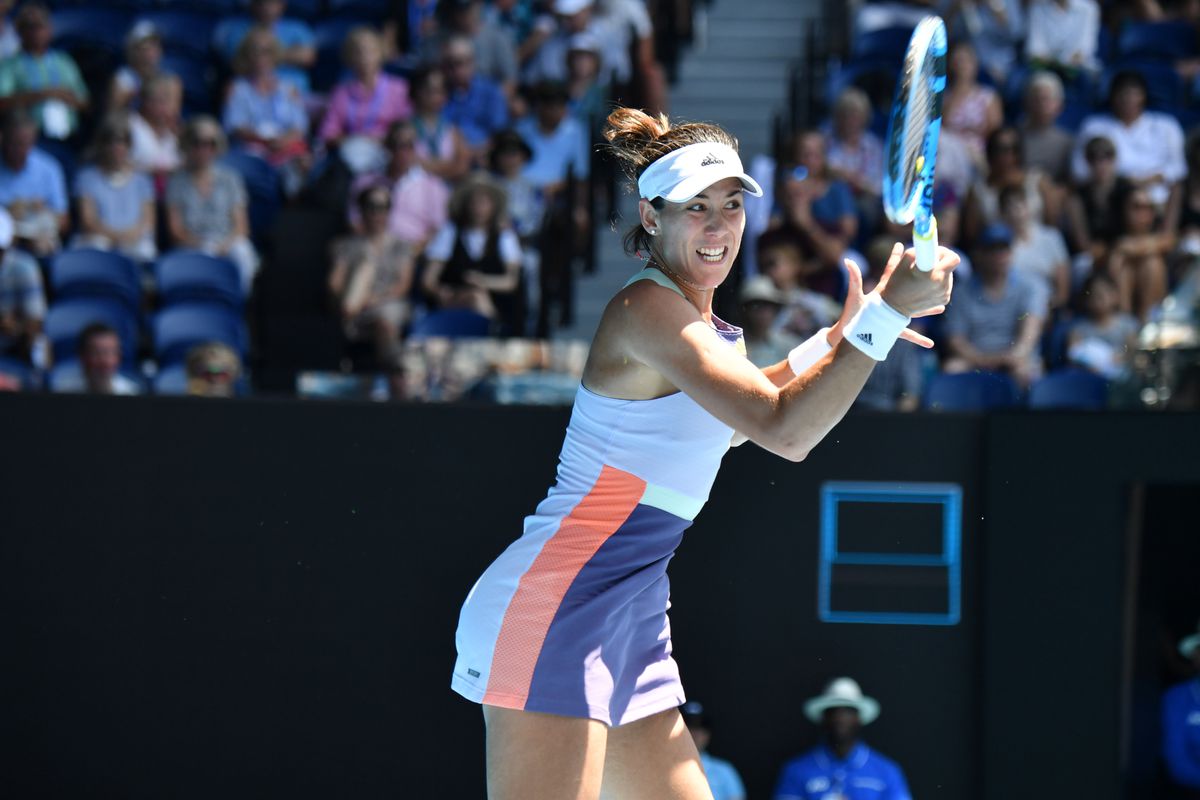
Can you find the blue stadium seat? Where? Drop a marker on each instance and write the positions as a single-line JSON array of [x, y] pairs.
[[884, 44], [84, 272], [25, 375], [1169, 40], [307, 10], [183, 31], [876, 78], [68, 376], [66, 319], [371, 10], [171, 380], [217, 8], [197, 77], [105, 27], [64, 154], [186, 276], [178, 328], [329, 35], [262, 186], [971, 391], [1054, 343], [1070, 389], [452, 323]]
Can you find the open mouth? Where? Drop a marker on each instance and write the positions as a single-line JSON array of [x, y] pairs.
[[712, 255]]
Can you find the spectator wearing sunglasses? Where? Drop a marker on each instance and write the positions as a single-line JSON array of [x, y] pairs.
[[115, 201]]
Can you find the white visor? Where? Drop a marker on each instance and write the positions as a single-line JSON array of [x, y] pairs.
[[682, 174]]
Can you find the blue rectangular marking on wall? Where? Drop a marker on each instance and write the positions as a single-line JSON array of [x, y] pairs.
[[947, 495]]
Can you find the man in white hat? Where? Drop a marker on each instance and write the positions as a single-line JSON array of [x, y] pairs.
[[1181, 722], [842, 767]]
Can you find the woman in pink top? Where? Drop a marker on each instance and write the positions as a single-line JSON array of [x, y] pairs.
[[366, 104], [971, 109]]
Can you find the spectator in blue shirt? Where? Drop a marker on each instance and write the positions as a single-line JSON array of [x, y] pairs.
[[295, 37], [842, 767], [32, 186], [115, 201], [560, 149], [1181, 722], [476, 104], [723, 779]]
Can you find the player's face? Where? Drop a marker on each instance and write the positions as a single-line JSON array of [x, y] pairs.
[[700, 239]]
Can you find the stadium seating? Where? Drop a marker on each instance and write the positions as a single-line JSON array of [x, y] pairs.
[[171, 381], [329, 34], [85, 272], [66, 319], [25, 375], [971, 391], [197, 75], [372, 10], [262, 186], [178, 328], [452, 324], [91, 26], [186, 276], [1069, 389], [1168, 40], [183, 31], [68, 376], [884, 44]]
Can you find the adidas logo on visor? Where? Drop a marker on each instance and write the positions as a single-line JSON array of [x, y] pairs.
[[709, 160]]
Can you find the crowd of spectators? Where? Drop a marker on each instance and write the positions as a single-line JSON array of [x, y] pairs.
[[1065, 179], [455, 134]]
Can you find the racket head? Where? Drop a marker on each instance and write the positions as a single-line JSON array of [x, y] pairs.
[[911, 147]]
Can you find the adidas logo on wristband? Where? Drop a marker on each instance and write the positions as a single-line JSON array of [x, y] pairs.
[[865, 337], [875, 328]]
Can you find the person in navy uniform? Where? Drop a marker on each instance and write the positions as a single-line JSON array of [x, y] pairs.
[[1181, 725], [842, 767]]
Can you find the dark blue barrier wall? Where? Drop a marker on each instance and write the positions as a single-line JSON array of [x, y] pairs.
[[254, 599]]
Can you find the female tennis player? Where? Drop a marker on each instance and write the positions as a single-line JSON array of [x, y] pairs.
[[565, 639]]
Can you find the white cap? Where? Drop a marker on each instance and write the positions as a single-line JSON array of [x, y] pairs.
[[842, 693], [682, 174], [6, 229], [585, 40], [569, 7], [142, 30]]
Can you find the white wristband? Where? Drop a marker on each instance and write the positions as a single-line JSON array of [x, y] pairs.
[[875, 328], [809, 352]]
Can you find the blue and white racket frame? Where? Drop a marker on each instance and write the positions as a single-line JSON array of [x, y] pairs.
[[910, 152]]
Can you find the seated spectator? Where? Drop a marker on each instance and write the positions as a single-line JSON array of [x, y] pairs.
[[1149, 144], [767, 342], [994, 30], [10, 43], [969, 108], [1038, 250], [371, 278], [781, 258], [1092, 209], [855, 155], [1006, 168], [155, 129], [264, 115], [366, 103], [994, 321], [1045, 145], [22, 299], [493, 53], [298, 43], [475, 103], [560, 151], [842, 766], [32, 186], [1137, 260], [526, 206], [143, 60], [419, 200], [441, 146], [819, 207], [212, 370], [896, 383], [723, 780], [1063, 35], [206, 201], [115, 202], [1103, 339], [587, 92], [1180, 726], [42, 80], [99, 352], [475, 260], [546, 48]]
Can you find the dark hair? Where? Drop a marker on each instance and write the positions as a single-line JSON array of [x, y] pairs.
[[92, 331], [549, 92], [993, 142], [18, 118], [1010, 193], [364, 197], [419, 79], [1125, 78], [394, 130], [638, 140], [775, 238], [504, 141], [1094, 144]]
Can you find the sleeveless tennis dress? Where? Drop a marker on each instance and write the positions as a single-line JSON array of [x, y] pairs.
[[572, 618]]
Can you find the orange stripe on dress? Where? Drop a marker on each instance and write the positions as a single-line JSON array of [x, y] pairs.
[[540, 591]]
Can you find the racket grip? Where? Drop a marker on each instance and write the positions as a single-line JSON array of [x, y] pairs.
[[926, 246]]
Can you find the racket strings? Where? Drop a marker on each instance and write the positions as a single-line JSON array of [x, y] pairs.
[[916, 123]]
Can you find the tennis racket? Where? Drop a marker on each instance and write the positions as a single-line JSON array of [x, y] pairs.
[[912, 138]]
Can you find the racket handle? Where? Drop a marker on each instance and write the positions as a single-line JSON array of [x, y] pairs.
[[926, 246]]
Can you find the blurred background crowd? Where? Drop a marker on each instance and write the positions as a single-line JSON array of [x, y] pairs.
[[172, 172]]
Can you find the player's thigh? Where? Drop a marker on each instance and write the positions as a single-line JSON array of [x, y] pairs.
[[534, 756], [653, 758]]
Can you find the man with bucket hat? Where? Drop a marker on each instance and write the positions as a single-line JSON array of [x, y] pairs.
[[1181, 724], [842, 767]]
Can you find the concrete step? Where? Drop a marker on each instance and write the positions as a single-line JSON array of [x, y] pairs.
[[734, 44], [745, 67], [718, 89]]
